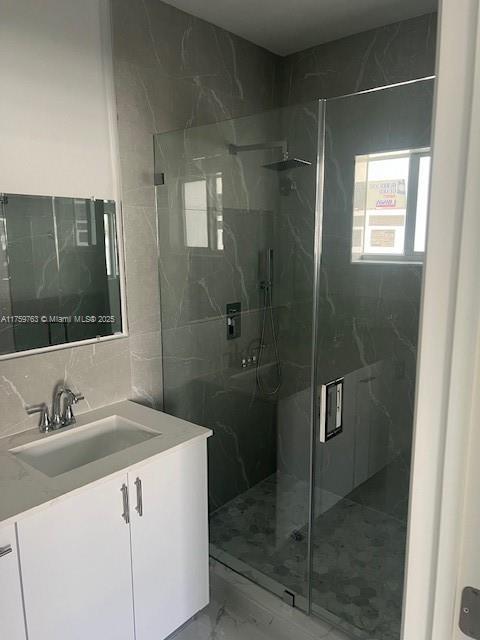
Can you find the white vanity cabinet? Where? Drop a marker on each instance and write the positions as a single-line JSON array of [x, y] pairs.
[[12, 623], [146, 527], [75, 563], [169, 533]]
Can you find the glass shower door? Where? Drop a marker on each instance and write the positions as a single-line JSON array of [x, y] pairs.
[[376, 173], [236, 206]]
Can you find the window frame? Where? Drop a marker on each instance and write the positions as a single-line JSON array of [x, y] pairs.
[[214, 204], [409, 255]]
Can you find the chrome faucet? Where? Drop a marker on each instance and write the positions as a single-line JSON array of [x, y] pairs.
[[60, 416], [65, 417]]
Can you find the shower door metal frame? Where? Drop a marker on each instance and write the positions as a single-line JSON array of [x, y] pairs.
[[314, 384]]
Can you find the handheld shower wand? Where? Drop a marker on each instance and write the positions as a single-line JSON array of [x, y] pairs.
[[266, 283]]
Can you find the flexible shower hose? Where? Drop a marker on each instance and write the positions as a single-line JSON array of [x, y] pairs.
[[267, 306]]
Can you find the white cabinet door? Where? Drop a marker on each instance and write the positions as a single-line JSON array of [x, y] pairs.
[[12, 622], [76, 571], [169, 540]]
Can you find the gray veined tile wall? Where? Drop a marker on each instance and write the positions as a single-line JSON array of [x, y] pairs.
[[395, 53], [172, 71], [101, 371]]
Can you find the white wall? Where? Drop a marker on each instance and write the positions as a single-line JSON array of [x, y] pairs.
[[55, 139], [56, 99], [448, 336]]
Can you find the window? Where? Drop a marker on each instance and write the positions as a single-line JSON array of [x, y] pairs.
[[203, 211], [390, 206], [196, 213]]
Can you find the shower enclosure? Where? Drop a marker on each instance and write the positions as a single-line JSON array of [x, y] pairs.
[[291, 245]]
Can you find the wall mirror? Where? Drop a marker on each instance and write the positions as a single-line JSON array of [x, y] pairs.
[[60, 276]]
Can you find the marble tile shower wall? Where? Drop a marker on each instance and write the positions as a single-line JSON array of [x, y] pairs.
[[175, 72], [294, 277], [294, 243], [172, 71], [395, 53]]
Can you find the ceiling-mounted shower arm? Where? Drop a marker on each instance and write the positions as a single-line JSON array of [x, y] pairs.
[[261, 146], [279, 165]]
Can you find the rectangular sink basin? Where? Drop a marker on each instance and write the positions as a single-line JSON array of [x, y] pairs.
[[62, 452]]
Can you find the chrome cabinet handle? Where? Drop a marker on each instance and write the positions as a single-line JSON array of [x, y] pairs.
[[5, 550], [139, 507], [126, 508]]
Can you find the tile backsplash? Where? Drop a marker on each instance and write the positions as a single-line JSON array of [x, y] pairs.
[[100, 371]]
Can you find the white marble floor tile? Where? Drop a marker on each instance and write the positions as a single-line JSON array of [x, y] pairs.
[[241, 610], [217, 622]]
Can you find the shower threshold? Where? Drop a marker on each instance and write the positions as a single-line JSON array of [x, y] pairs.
[[267, 584]]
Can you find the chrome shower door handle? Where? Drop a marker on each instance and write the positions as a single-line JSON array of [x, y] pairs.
[[5, 550], [330, 413], [139, 507], [126, 508]]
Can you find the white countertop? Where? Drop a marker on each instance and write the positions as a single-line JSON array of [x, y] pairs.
[[23, 488]]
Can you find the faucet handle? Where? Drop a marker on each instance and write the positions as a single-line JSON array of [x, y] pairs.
[[45, 422], [72, 398]]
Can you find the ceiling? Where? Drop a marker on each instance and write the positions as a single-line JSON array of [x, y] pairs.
[[286, 26]]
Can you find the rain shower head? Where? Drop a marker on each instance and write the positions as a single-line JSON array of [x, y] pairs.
[[280, 165], [287, 163]]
